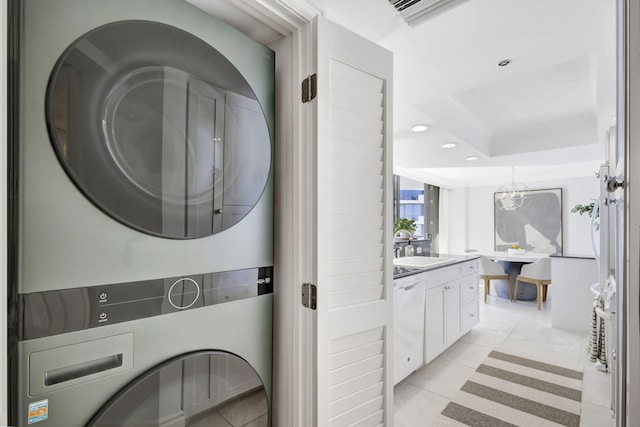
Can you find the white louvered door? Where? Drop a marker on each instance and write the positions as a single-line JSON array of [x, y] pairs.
[[354, 234]]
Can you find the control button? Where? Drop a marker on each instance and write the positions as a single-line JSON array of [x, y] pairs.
[[103, 297], [102, 317], [184, 293]]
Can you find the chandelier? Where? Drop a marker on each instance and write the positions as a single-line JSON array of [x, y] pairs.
[[512, 196]]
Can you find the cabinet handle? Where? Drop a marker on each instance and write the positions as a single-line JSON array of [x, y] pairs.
[[471, 287], [471, 314]]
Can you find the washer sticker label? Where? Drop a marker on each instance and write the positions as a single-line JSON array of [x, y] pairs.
[[38, 411]]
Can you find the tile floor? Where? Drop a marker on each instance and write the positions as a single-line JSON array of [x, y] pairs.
[[248, 410], [519, 327]]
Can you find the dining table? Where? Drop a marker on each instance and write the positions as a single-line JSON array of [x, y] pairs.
[[512, 264]]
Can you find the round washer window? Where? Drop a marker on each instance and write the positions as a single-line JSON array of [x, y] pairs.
[[158, 129], [207, 388]]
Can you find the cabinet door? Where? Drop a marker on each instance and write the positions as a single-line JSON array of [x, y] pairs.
[[469, 288], [434, 323], [452, 321], [469, 316]]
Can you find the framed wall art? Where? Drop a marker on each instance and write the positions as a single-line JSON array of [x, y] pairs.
[[536, 225]]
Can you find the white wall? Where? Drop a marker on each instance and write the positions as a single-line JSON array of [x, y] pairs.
[[474, 230], [455, 219]]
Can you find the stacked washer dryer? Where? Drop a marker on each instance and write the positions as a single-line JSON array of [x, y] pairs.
[[142, 216]]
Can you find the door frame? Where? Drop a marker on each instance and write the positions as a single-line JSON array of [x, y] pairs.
[[294, 393], [627, 270], [4, 64]]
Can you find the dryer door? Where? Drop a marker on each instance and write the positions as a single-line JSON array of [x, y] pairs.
[[158, 129], [206, 388]]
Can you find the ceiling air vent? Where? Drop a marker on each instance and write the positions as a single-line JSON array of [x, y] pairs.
[[416, 12]]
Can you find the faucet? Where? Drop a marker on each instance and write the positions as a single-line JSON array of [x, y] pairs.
[[402, 235], [397, 250]]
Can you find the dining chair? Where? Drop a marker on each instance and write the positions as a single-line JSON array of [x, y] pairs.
[[488, 271], [538, 273]]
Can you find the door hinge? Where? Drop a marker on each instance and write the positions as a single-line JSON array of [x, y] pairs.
[[309, 88], [309, 295]]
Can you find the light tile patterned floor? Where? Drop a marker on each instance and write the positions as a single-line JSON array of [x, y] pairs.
[[518, 327]]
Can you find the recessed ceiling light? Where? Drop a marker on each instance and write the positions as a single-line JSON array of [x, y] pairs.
[[504, 63], [472, 158], [420, 128], [449, 145]]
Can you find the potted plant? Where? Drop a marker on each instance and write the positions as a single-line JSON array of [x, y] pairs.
[[405, 224], [586, 209]]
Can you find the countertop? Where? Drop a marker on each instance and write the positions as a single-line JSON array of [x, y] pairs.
[[526, 257], [399, 272], [573, 256]]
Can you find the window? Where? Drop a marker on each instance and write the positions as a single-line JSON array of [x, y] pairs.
[[420, 202]]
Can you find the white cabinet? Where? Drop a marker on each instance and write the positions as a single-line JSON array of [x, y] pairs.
[[470, 316], [451, 306], [470, 299], [432, 310], [470, 267], [452, 324], [442, 318], [408, 320], [469, 289]]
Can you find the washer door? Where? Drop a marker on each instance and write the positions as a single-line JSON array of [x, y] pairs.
[[158, 129], [207, 388]]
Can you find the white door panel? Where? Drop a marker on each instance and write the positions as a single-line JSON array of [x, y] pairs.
[[354, 310]]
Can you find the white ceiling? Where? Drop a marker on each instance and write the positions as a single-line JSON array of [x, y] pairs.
[[547, 113], [551, 106]]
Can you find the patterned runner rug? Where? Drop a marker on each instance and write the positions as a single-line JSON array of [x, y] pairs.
[[508, 390]]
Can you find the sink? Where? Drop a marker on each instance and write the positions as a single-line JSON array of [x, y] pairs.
[[419, 261]]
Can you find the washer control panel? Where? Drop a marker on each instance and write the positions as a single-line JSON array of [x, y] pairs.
[[66, 310], [183, 293]]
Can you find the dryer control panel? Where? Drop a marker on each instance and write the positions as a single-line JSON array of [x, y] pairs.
[[66, 310]]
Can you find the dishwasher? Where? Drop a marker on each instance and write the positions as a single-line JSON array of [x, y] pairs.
[[408, 326]]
